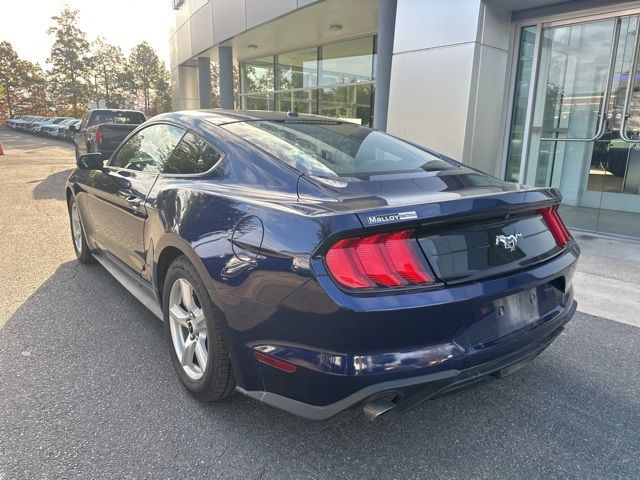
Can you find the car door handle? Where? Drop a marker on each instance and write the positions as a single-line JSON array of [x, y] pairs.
[[133, 200]]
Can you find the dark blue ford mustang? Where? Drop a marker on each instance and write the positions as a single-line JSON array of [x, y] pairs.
[[317, 265]]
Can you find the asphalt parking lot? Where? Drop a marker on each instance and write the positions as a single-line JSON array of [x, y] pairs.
[[87, 388]]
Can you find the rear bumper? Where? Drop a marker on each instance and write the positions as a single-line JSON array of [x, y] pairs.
[[411, 391]]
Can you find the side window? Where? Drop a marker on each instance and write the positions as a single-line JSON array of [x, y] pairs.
[[149, 149], [192, 155]]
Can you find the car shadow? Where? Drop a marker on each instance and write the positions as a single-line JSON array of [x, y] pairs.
[[52, 187], [88, 384]]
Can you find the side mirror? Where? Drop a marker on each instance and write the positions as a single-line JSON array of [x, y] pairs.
[[73, 128], [91, 161]]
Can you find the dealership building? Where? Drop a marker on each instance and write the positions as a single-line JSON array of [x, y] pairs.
[[542, 92]]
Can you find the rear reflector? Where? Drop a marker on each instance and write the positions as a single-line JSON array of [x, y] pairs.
[[380, 260], [274, 362], [556, 225]]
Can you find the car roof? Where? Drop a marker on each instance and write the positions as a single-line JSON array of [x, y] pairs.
[[114, 110], [221, 116]]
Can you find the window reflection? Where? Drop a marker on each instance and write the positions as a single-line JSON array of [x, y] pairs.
[[521, 98], [347, 62], [330, 149], [353, 103], [192, 155], [149, 149], [333, 80], [257, 75], [301, 101], [297, 69], [258, 101]]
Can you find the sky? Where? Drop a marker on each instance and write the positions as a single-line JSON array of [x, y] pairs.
[[125, 23]]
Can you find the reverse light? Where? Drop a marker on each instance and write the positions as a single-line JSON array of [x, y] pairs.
[[556, 225], [381, 260]]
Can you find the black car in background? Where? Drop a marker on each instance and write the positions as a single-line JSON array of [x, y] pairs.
[[102, 131]]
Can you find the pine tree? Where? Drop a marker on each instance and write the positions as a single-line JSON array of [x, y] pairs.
[[11, 77], [107, 70], [70, 62], [162, 102], [144, 66]]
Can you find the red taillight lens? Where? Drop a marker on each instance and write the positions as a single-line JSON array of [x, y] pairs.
[[556, 225], [99, 137], [274, 362], [381, 260]]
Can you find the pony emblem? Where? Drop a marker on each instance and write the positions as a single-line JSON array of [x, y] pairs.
[[509, 242]]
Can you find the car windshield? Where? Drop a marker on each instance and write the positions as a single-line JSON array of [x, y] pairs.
[[337, 149]]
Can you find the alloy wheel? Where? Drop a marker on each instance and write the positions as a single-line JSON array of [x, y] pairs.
[[188, 329], [76, 227]]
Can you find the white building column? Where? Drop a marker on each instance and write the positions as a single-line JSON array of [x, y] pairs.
[[449, 78]]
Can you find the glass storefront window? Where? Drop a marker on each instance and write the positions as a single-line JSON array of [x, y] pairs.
[[521, 99], [297, 69], [293, 81], [258, 102], [353, 103], [257, 75], [347, 62], [301, 101]]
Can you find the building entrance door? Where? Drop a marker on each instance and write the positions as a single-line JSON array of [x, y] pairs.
[[584, 121]]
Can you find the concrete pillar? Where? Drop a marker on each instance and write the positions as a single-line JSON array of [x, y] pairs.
[[386, 29], [184, 83], [204, 82], [449, 80], [225, 57]]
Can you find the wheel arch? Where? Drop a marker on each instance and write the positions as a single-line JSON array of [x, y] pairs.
[[166, 257], [167, 249]]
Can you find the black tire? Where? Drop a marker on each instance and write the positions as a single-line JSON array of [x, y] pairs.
[[84, 254], [217, 381]]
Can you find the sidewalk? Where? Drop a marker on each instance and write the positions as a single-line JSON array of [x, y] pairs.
[[607, 281]]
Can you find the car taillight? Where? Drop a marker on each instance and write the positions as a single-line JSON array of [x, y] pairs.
[[380, 260], [99, 137], [556, 225]]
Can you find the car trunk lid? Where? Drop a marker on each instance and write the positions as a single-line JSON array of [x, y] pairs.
[[468, 225]]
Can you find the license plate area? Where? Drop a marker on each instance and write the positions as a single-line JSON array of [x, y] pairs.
[[506, 315]]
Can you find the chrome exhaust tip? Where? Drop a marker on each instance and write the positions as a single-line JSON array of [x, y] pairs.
[[377, 407]]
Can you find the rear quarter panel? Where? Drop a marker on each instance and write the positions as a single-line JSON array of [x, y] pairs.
[[242, 227]]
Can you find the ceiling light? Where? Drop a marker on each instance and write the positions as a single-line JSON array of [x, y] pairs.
[[335, 28], [252, 46]]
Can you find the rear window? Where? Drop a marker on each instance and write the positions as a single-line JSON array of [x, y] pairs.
[[337, 149], [118, 118]]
